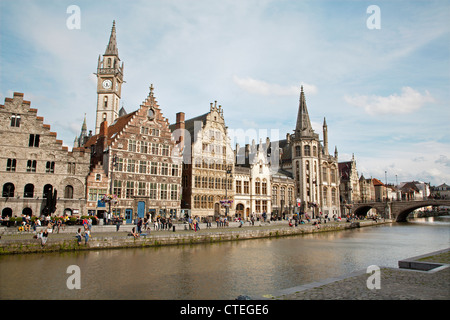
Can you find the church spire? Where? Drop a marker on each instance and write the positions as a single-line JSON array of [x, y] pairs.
[[303, 123], [111, 49]]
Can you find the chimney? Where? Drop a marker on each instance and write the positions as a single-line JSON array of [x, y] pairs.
[[179, 124]]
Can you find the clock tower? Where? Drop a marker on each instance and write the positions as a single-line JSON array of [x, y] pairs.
[[109, 83]]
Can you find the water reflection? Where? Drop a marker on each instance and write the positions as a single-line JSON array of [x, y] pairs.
[[220, 270]]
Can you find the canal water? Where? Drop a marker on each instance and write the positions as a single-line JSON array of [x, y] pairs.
[[221, 270]]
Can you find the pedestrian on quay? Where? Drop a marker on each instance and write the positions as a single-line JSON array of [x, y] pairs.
[[44, 237], [87, 234], [78, 236]]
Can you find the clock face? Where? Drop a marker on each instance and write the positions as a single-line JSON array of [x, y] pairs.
[[107, 84]]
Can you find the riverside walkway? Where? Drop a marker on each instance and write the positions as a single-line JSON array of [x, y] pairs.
[[403, 283], [106, 236]]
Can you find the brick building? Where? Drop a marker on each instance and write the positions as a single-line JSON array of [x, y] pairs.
[[140, 162]]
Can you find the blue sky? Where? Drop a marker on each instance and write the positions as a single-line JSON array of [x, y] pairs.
[[384, 92]]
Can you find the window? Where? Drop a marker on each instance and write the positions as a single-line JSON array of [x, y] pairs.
[[48, 189], [68, 192], [264, 205], [264, 187], [28, 191], [154, 168], [163, 191], [210, 202], [333, 175], [325, 196], [258, 206], [142, 166], [130, 189], [117, 189], [15, 120], [105, 102], [298, 151], [257, 187], [144, 147], [164, 169], [98, 177], [333, 196], [50, 167], [119, 164], [142, 189], [307, 150], [153, 191], [34, 140], [131, 167], [246, 187], [324, 174], [197, 182], [155, 149], [174, 170], [11, 165], [8, 190], [174, 192], [238, 186], [132, 145], [315, 151], [96, 194], [71, 166], [197, 202], [164, 150], [31, 166], [274, 196]]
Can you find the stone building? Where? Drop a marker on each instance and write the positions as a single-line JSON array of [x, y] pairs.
[[284, 202], [314, 170], [208, 164], [252, 179], [367, 189], [140, 162], [349, 187], [38, 175]]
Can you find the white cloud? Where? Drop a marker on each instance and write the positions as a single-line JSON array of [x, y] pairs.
[[264, 88], [408, 101]]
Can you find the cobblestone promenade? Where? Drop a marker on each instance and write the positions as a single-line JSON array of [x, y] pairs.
[[395, 284]]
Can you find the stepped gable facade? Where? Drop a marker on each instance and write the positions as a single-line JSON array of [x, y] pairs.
[[38, 175], [141, 163]]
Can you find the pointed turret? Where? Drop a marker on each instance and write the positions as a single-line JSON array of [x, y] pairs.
[[325, 136], [303, 127], [111, 49]]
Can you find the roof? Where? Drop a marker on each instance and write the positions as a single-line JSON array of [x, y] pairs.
[[118, 125]]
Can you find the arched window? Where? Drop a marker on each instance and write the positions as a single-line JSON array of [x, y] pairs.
[[27, 212], [6, 212], [264, 186], [68, 192], [257, 187], [48, 189], [315, 151], [8, 190], [28, 191], [307, 150]]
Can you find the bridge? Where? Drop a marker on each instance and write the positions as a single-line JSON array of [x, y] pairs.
[[396, 210]]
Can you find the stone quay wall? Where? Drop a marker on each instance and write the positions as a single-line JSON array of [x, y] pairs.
[[110, 240]]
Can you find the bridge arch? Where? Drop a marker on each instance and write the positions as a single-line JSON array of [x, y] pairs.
[[403, 212]]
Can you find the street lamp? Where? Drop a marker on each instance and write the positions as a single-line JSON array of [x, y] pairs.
[[226, 190], [114, 165]]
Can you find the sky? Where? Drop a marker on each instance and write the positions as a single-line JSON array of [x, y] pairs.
[[379, 75]]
